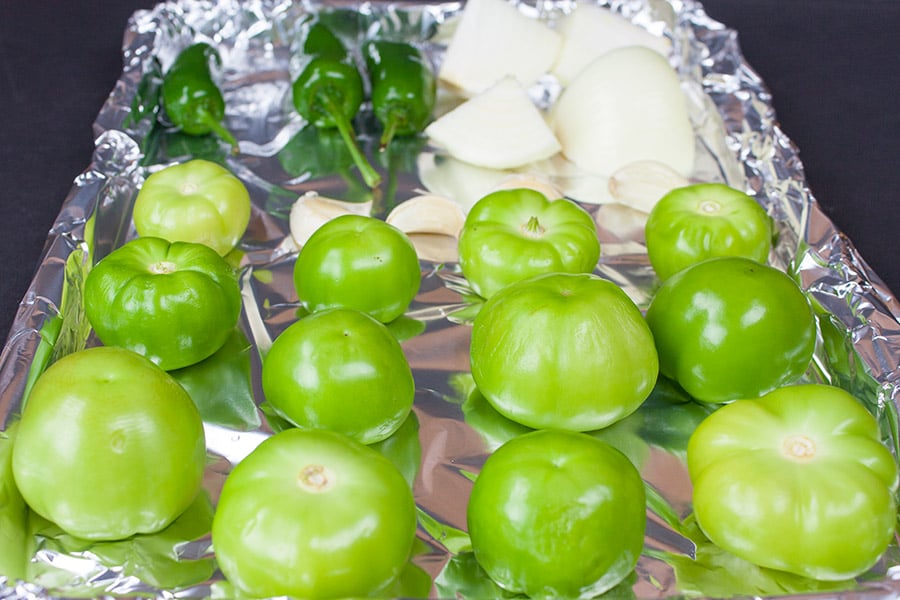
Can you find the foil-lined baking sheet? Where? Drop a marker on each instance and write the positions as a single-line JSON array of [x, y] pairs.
[[450, 432]]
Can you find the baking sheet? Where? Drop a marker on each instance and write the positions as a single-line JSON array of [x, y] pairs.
[[739, 143]]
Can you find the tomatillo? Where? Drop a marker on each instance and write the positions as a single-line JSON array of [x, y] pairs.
[[109, 445], [566, 351], [195, 201], [557, 514], [340, 369], [313, 514], [797, 480], [704, 220], [359, 262], [176, 303], [729, 328], [513, 234]]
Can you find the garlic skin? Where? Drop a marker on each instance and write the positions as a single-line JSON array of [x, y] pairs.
[[625, 106], [499, 128], [492, 40], [590, 31], [310, 211]]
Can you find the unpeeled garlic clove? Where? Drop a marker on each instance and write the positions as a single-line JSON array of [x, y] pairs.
[[531, 181], [310, 211], [433, 224], [428, 213], [642, 183]]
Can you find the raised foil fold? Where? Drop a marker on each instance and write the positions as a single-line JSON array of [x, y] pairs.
[[740, 144]]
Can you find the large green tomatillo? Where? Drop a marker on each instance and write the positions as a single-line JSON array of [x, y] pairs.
[[729, 328], [358, 262], [340, 369], [195, 201], [566, 351], [705, 220], [557, 514], [797, 480], [513, 234], [109, 445], [175, 303], [313, 514]]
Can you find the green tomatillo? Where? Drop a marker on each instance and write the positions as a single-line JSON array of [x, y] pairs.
[[176, 303], [797, 480], [513, 234], [730, 328], [359, 262], [705, 220], [195, 201], [342, 370], [109, 445], [556, 514], [565, 351], [314, 514]]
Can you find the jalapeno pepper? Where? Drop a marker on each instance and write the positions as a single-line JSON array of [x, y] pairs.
[[329, 91], [403, 87], [192, 101]]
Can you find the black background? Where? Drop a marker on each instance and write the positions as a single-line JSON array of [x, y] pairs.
[[831, 66]]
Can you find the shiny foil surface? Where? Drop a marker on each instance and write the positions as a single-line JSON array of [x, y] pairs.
[[738, 143]]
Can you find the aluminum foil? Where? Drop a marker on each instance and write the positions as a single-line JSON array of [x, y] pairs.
[[739, 143]]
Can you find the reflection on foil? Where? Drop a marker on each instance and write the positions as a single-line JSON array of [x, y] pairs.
[[738, 143]]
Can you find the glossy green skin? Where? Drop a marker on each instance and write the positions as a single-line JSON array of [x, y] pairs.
[[109, 445], [557, 514], [175, 303], [341, 370], [566, 351], [797, 480], [404, 88], [510, 235], [730, 328], [705, 220], [328, 90], [358, 262], [192, 100], [195, 201], [313, 514]]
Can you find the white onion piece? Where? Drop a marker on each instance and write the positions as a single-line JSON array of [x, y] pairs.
[[463, 183], [626, 106], [492, 40], [499, 128], [590, 31]]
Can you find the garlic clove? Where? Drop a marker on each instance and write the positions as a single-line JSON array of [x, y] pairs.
[[310, 211], [642, 183], [531, 181], [428, 213]]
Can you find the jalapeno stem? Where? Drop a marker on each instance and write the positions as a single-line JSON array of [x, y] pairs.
[[219, 129], [369, 174], [390, 128]]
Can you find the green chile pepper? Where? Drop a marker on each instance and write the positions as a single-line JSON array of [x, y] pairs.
[[329, 91], [192, 100], [175, 303], [403, 87]]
